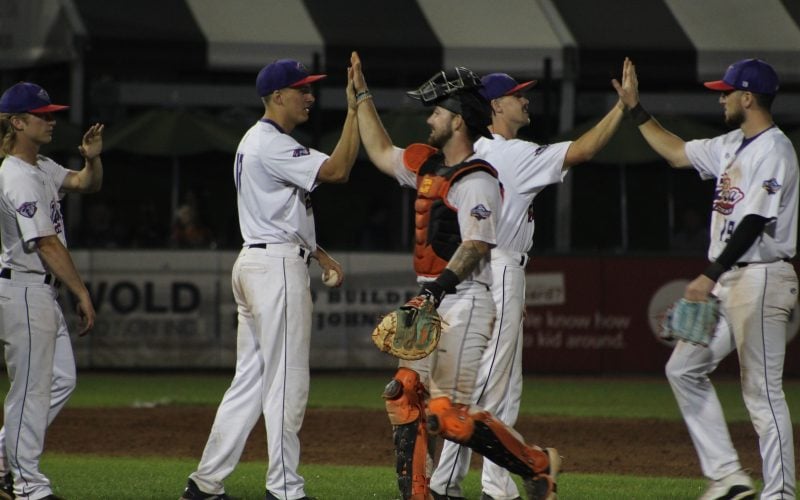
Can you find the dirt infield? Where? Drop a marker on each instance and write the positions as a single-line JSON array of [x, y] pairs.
[[353, 437]]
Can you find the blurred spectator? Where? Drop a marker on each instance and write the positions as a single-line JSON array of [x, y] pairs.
[[188, 231]]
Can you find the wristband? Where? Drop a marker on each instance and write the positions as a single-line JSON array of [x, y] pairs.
[[363, 96], [448, 280], [714, 271], [639, 115]]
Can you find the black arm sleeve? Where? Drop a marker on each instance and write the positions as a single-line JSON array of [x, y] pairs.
[[743, 237]]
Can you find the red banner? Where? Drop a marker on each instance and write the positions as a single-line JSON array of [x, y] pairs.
[[601, 315]]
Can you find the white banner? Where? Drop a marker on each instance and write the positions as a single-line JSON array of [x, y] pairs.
[[168, 309]]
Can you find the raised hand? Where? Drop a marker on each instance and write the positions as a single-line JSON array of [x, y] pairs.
[[92, 143], [628, 90]]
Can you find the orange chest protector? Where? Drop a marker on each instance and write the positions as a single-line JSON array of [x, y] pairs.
[[436, 233]]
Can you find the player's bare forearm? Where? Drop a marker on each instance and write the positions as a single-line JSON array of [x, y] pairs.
[[90, 178], [589, 144], [59, 262], [376, 140], [663, 142], [671, 147], [467, 257], [336, 169], [87, 180], [326, 262]]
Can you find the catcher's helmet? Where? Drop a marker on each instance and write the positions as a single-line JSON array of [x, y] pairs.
[[459, 94]]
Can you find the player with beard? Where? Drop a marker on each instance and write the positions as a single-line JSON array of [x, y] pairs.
[[753, 236], [457, 208]]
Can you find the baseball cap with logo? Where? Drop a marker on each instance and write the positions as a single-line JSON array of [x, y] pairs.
[[26, 97], [752, 75], [281, 74], [500, 84]]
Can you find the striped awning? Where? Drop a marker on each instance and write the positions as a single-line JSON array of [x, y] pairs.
[[674, 42], [36, 32]]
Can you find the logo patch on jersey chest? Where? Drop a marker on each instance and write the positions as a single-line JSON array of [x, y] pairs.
[[771, 185], [27, 209], [480, 212], [726, 196]]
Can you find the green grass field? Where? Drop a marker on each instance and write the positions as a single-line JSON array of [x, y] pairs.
[[81, 477]]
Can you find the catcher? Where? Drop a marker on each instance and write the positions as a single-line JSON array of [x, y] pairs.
[[458, 198]]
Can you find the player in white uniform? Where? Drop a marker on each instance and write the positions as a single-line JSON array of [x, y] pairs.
[[753, 235], [524, 169], [38, 353], [457, 210], [274, 176]]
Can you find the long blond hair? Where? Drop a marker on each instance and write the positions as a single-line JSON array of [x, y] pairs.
[[8, 134]]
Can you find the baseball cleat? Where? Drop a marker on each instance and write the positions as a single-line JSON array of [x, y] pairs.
[[270, 496], [736, 486], [543, 486], [193, 492], [7, 487], [439, 496]]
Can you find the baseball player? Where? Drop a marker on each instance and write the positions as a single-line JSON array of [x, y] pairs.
[[457, 210], [753, 235], [38, 353], [274, 176], [524, 169]]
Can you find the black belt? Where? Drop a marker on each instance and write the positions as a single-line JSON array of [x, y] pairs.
[[303, 253], [48, 279], [745, 264]]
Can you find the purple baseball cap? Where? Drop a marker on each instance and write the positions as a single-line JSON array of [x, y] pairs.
[[25, 97], [500, 84], [281, 74], [752, 75]]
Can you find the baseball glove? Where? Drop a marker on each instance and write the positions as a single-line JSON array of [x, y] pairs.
[[411, 331], [691, 321]]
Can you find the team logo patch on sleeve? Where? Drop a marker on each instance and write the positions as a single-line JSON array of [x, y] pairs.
[[771, 185], [297, 153], [27, 209], [480, 212]]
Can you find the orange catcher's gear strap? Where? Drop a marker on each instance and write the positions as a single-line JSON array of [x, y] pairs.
[[405, 397], [486, 435], [436, 234], [405, 403]]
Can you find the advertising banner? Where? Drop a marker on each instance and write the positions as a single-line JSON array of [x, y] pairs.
[[175, 309]]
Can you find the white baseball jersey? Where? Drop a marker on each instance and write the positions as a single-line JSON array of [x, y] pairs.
[[467, 194], [38, 352], [755, 176], [524, 169], [30, 209], [758, 177], [274, 177]]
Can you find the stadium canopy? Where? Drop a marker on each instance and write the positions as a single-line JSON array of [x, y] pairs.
[[673, 42]]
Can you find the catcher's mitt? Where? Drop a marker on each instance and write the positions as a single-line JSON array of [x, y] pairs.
[[691, 321], [411, 331]]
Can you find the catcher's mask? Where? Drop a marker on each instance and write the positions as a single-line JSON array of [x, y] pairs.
[[459, 94]]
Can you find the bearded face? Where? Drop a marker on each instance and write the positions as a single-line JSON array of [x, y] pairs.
[[441, 123]]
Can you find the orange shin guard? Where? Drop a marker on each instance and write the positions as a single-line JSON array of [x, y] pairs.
[[487, 436], [405, 404], [405, 397]]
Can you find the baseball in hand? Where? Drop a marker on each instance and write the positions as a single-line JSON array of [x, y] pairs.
[[330, 277]]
